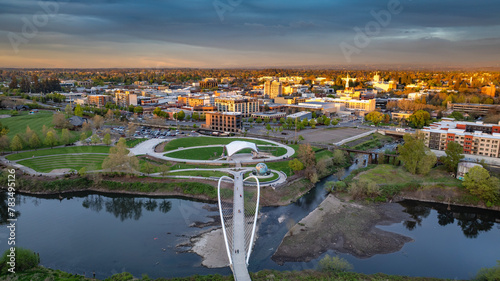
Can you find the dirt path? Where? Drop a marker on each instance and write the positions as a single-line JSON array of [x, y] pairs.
[[343, 227]]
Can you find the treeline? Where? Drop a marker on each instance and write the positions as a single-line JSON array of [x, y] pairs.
[[35, 85]]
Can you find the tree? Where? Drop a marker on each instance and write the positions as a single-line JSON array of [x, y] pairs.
[[107, 139], [78, 110], [34, 141], [95, 139], [86, 127], [453, 156], [479, 183], [68, 110], [268, 127], [457, 115], [59, 120], [181, 115], [148, 167], [118, 159], [375, 117], [83, 137], [419, 119], [110, 115], [13, 83], [25, 260], [50, 139], [65, 136], [131, 129], [17, 143], [97, 122], [28, 134], [138, 110], [3, 129], [416, 157], [4, 143], [163, 169], [258, 120], [296, 165], [282, 120], [338, 157], [157, 111]]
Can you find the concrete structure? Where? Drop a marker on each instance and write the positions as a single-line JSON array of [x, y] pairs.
[[474, 108], [223, 121], [476, 138], [273, 89], [244, 105], [269, 115], [464, 167]]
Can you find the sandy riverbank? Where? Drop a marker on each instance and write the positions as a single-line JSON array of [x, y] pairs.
[[343, 227], [210, 246]]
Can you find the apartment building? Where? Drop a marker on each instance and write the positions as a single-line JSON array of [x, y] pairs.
[[99, 100], [125, 98], [223, 121], [244, 105], [273, 89], [474, 108], [476, 138], [359, 105]]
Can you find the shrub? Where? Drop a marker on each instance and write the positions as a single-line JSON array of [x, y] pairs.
[[125, 276], [364, 188], [334, 264], [489, 274], [25, 259]]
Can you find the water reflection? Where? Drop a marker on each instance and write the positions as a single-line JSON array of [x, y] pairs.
[[125, 207], [471, 221]]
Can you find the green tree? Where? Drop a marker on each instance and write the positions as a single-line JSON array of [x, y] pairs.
[[268, 127], [419, 119], [65, 136], [107, 139], [83, 137], [35, 141], [296, 165], [4, 143], [453, 156], [157, 111], [78, 110], [334, 264], [118, 159], [3, 129], [335, 121], [489, 274], [163, 169], [17, 143], [416, 157], [457, 115], [138, 109], [68, 110], [50, 139], [338, 157], [25, 260], [479, 183], [181, 115], [375, 117], [95, 139], [282, 120], [196, 116], [258, 120]]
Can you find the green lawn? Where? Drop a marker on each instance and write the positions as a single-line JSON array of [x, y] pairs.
[[262, 180], [199, 173], [76, 162], [389, 175], [200, 153], [18, 124], [280, 166], [59, 150], [134, 142], [201, 141]]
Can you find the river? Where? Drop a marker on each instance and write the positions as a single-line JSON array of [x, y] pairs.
[[111, 234]]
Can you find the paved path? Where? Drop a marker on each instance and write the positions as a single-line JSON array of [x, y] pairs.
[[148, 148]]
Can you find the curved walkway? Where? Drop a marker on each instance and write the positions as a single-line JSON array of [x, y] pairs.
[[148, 148]]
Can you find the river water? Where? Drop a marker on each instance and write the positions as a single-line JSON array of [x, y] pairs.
[[112, 234]]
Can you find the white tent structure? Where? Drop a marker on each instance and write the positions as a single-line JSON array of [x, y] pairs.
[[236, 146]]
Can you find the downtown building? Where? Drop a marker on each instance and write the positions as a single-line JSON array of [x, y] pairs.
[[226, 122], [244, 105], [476, 138], [273, 89]]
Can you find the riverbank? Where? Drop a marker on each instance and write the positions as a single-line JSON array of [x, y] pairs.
[[343, 227]]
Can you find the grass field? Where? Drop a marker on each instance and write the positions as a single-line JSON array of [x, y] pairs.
[[389, 175], [201, 141], [76, 162], [262, 180], [200, 153], [134, 142], [199, 173], [18, 124], [59, 150], [323, 154], [281, 166]]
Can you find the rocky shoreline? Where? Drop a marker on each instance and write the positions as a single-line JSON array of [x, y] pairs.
[[343, 227]]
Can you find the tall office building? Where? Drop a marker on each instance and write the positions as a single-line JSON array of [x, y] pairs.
[[273, 89]]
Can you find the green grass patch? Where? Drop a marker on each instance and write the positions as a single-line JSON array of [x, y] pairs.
[[200, 173], [59, 150], [263, 180], [180, 166], [76, 162], [134, 142], [281, 166], [200, 153], [202, 141], [323, 154], [376, 141]]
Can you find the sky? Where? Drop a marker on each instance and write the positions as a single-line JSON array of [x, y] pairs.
[[248, 33]]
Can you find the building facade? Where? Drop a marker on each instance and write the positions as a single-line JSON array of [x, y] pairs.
[[125, 98], [273, 89], [99, 100], [245, 106], [474, 108], [476, 138], [224, 121]]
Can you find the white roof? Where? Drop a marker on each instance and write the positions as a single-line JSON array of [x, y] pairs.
[[236, 146]]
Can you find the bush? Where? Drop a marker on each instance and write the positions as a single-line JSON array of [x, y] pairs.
[[334, 264], [125, 276], [364, 188], [25, 259], [489, 274]]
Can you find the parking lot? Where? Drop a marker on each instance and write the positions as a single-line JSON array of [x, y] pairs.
[[329, 135], [152, 133]]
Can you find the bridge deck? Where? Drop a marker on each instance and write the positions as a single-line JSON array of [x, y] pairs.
[[240, 269]]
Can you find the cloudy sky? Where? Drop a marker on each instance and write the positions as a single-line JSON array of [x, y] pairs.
[[248, 33]]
